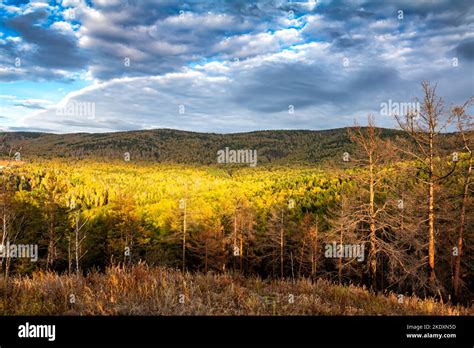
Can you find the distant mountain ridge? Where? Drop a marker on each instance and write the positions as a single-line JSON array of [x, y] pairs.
[[176, 146]]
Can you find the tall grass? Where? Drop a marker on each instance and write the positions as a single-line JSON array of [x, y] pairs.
[[144, 290]]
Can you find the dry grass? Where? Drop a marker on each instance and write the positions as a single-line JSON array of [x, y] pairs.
[[143, 290]]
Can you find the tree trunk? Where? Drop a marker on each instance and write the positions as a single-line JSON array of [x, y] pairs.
[[69, 260], [4, 234], [315, 252], [457, 265], [184, 238], [77, 243], [281, 248], [340, 258], [205, 259], [431, 214], [241, 252], [302, 258], [235, 240], [373, 241]]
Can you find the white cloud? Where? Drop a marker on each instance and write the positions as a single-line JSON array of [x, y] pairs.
[[217, 96], [10, 8], [248, 45]]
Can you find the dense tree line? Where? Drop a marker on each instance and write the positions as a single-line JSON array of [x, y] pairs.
[[275, 147]]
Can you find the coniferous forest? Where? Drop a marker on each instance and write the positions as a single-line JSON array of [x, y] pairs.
[[380, 222]]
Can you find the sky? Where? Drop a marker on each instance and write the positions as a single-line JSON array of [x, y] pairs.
[[70, 66]]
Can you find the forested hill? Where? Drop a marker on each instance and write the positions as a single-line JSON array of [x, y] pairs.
[[167, 145]]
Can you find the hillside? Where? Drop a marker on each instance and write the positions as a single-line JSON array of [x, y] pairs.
[[273, 221], [169, 292], [167, 145]]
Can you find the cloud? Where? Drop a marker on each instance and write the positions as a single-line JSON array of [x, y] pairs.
[[465, 49], [32, 103], [235, 65], [38, 49], [229, 97]]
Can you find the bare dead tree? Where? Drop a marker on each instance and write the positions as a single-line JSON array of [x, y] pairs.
[[343, 219], [374, 155], [185, 216], [464, 125], [424, 129], [79, 239]]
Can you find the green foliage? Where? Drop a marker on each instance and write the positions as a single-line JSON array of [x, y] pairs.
[[137, 205]]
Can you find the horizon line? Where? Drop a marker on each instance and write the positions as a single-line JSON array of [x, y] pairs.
[[192, 131]]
